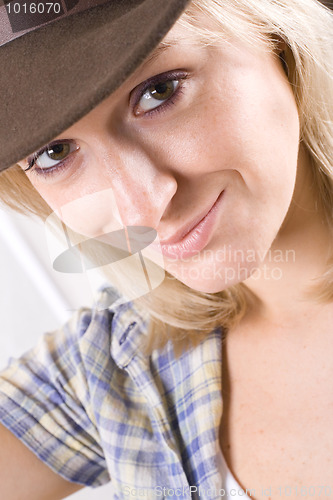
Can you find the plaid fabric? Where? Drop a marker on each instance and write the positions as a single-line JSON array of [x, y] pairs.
[[92, 406]]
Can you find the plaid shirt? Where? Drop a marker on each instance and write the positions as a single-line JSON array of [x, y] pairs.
[[92, 406]]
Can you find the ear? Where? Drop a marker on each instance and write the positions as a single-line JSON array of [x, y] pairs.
[[280, 48], [279, 45]]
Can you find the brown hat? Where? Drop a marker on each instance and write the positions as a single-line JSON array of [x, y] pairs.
[[57, 64]]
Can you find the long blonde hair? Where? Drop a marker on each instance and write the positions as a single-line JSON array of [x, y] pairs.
[[178, 312]]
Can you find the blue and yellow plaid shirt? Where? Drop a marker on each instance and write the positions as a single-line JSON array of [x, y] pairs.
[[93, 407]]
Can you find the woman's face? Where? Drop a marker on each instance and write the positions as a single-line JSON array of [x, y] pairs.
[[201, 143]]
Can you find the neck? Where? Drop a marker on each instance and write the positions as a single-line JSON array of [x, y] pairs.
[[284, 287]]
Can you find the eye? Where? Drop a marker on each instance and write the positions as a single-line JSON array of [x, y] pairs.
[[156, 95], [158, 92], [51, 156]]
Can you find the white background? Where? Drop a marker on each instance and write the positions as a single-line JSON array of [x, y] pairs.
[[34, 298]]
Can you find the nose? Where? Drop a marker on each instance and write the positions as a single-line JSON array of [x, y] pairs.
[[142, 186]]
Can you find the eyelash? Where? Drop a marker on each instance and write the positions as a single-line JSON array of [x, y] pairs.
[[31, 160], [140, 90], [135, 97]]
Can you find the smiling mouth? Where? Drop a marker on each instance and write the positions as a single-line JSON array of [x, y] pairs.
[[195, 237]]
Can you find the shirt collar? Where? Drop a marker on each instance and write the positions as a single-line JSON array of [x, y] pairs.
[[129, 326]]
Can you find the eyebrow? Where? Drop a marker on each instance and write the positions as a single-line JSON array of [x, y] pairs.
[[159, 50]]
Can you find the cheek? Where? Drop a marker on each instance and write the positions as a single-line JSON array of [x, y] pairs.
[[247, 123], [88, 209], [249, 141], [92, 214]]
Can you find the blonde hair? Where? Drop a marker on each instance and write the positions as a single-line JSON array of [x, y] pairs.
[[178, 312]]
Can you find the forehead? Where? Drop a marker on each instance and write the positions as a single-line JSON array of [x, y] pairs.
[[199, 28], [178, 36]]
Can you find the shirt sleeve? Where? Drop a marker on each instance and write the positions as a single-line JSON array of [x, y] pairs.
[[45, 402]]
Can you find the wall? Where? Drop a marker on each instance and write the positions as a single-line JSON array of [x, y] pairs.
[[34, 298]]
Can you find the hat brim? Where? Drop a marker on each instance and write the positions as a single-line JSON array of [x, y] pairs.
[[52, 77]]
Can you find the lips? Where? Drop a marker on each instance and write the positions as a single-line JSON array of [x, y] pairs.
[[193, 237]]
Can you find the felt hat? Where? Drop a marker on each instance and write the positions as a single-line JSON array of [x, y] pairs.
[[58, 63]]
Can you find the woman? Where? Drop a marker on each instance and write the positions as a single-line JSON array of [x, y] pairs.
[[222, 142]]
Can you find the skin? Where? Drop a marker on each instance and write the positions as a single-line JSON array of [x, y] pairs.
[[241, 137], [23, 475]]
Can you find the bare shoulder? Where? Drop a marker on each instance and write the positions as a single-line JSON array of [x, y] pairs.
[[23, 475]]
